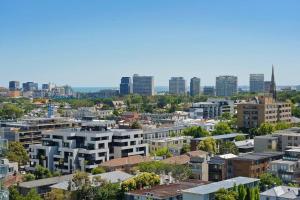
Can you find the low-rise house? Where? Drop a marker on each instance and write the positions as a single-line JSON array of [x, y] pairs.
[[42, 186], [207, 192], [281, 193], [163, 192], [110, 177]]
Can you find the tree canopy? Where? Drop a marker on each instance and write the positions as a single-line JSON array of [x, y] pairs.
[[195, 132], [208, 145], [17, 153], [222, 128]]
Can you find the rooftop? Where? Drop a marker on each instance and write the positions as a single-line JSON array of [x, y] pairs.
[[131, 160], [283, 192], [284, 162], [258, 156], [167, 191], [226, 184], [178, 160], [45, 181], [112, 177]]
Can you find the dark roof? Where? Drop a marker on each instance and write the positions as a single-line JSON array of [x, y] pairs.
[[167, 191], [258, 156]]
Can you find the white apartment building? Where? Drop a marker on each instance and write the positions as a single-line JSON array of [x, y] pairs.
[[69, 150]]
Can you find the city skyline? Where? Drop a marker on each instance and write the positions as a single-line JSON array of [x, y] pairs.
[[94, 44]]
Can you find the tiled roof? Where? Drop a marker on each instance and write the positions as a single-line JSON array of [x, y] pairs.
[[179, 160], [131, 160]]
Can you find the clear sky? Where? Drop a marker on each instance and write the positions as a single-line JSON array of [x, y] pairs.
[[95, 42]]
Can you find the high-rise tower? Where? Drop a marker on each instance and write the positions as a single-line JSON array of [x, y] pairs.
[[273, 84]]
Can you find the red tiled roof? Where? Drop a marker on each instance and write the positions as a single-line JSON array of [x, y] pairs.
[[131, 160]]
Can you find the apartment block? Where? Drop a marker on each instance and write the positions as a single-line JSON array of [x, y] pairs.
[[252, 164], [125, 86], [68, 150], [143, 85], [262, 109], [128, 142], [195, 88], [257, 83], [226, 86], [29, 131], [177, 85]]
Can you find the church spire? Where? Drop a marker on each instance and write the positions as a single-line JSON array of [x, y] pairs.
[[273, 84]]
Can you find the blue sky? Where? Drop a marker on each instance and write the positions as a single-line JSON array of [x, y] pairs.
[[95, 42]]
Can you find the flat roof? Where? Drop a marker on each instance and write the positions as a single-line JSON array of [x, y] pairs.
[[214, 187], [257, 156], [284, 162]]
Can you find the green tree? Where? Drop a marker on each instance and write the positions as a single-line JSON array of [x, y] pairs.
[[164, 151], [282, 126], [17, 153], [222, 128], [268, 180], [57, 194], [28, 177], [228, 147], [240, 138], [224, 194], [296, 111], [265, 129], [32, 195], [109, 191], [14, 193], [242, 192], [82, 186], [185, 148], [11, 111], [136, 125], [179, 172], [140, 181], [195, 132], [208, 145], [42, 172], [98, 170], [226, 116]]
